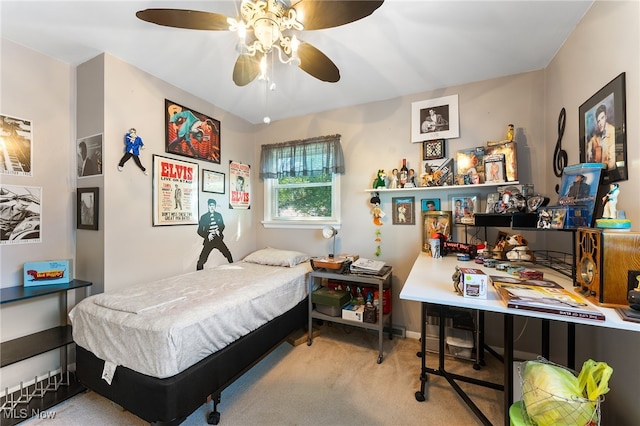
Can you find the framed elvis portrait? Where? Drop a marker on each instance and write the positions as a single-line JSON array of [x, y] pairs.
[[603, 130], [430, 204], [435, 119], [435, 224], [212, 181], [87, 208], [403, 210], [190, 133]]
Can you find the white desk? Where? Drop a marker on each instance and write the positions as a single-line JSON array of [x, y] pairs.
[[430, 282]]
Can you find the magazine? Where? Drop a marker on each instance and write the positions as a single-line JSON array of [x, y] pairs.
[[544, 296], [367, 266]]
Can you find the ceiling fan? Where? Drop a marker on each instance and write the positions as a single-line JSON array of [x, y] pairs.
[[267, 26]]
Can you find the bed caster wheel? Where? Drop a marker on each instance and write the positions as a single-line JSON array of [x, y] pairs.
[[213, 418], [420, 397]]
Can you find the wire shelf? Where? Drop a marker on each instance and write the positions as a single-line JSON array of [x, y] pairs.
[[558, 261]]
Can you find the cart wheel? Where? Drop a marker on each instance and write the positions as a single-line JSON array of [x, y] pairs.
[[476, 367], [309, 342], [213, 418], [420, 397], [419, 354], [380, 359]]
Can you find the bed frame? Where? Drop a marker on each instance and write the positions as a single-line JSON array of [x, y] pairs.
[[171, 400]]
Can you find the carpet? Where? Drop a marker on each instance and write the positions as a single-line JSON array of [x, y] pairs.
[[335, 381]]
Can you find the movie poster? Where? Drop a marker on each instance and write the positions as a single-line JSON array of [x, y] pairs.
[[175, 192], [239, 185]]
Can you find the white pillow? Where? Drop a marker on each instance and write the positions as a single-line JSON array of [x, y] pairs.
[[276, 257]]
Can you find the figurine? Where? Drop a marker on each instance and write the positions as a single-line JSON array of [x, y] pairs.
[[133, 144], [393, 180], [510, 133], [610, 202], [380, 180], [378, 214]]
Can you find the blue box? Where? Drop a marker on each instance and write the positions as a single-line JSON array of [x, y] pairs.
[[46, 273]]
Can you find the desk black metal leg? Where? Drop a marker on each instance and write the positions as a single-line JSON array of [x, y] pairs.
[[423, 353], [508, 366], [545, 338], [571, 345]]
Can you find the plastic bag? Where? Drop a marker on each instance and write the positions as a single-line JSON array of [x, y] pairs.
[[553, 395]]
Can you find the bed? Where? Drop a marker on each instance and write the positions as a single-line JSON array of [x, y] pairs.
[[161, 349]]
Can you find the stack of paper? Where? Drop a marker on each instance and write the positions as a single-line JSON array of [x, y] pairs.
[[367, 266]]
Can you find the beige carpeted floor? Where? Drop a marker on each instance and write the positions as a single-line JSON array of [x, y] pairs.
[[335, 381]]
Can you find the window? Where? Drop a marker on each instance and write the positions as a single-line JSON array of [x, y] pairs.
[[302, 182]]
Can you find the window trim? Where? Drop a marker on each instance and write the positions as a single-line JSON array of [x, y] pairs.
[[296, 223]]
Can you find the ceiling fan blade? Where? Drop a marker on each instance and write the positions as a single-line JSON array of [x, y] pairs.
[[317, 64], [319, 14], [246, 69], [188, 19]]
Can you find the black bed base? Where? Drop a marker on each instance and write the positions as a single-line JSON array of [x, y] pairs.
[[171, 400]]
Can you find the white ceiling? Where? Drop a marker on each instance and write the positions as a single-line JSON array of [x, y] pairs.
[[404, 47]]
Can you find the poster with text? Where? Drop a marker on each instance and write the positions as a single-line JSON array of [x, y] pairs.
[[175, 192], [20, 210], [239, 185], [16, 146]]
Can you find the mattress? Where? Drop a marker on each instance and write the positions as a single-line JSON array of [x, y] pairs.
[[162, 327]]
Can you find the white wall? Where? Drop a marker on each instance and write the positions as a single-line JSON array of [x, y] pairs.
[[40, 89], [604, 44]]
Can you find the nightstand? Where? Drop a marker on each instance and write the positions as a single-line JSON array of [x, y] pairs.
[[380, 282]]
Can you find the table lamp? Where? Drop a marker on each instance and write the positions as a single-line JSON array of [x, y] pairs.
[[330, 232]]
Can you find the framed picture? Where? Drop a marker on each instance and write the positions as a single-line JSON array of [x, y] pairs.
[[464, 208], [20, 221], [470, 166], [435, 119], [87, 203], [403, 210], [558, 215], [89, 158], [430, 204], [435, 225], [579, 186], [239, 185], [492, 201], [494, 168], [433, 150], [212, 181], [191, 133], [175, 192], [17, 145], [603, 130]]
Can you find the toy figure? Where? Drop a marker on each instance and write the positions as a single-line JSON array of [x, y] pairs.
[[510, 133], [610, 202], [378, 214], [393, 184], [133, 144], [380, 182]]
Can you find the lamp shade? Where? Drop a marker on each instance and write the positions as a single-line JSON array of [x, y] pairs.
[[329, 231]]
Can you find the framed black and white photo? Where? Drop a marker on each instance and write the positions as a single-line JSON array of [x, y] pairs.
[[212, 181], [17, 146], [21, 208], [435, 119], [89, 156], [603, 130], [87, 208]]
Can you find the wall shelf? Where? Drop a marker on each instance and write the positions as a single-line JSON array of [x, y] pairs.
[[441, 188]]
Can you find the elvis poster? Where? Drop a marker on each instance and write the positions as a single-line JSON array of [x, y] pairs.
[[239, 185], [175, 192]]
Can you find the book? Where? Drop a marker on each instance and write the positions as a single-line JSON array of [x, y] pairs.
[[544, 296], [367, 266]]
